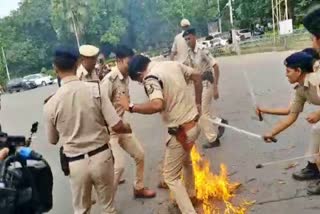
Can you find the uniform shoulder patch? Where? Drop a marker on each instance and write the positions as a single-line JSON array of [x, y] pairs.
[[149, 89]]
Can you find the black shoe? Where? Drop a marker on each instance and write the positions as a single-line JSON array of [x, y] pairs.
[[221, 129], [314, 189], [213, 144], [310, 172]]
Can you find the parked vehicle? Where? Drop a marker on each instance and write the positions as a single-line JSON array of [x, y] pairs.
[[244, 34], [218, 42], [19, 84], [39, 79], [205, 44]]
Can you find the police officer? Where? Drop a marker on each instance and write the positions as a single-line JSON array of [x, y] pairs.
[[286, 110], [299, 70], [179, 50], [86, 70], [203, 62], [166, 86], [76, 116], [117, 84]]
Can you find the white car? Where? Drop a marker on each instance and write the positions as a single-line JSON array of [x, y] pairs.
[[39, 79], [219, 42], [244, 34], [205, 44]]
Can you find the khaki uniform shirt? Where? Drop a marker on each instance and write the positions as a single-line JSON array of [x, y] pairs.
[[84, 75], [180, 47], [309, 92], [116, 85], [77, 115], [201, 60], [180, 105]]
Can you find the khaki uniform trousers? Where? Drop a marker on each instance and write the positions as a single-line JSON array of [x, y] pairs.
[[208, 128], [176, 162], [96, 171], [314, 146], [130, 144]]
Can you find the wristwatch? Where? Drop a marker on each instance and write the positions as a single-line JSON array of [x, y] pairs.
[[131, 105]]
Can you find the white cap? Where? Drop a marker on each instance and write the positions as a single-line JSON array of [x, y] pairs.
[[184, 23], [88, 50]]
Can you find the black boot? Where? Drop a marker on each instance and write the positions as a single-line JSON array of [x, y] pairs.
[[314, 189], [213, 144], [310, 172], [221, 129]]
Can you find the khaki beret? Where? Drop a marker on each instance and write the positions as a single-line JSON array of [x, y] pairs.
[[88, 50], [184, 23]]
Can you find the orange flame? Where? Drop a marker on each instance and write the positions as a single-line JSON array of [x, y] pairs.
[[211, 187]]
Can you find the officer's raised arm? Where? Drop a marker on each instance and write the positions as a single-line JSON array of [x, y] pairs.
[[155, 103], [299, 70]]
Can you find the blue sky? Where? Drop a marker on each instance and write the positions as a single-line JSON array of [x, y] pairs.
[[8, 5]]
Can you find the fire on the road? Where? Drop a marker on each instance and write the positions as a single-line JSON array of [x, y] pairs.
[[211, 187]]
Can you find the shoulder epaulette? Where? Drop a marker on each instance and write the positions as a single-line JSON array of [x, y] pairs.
[[47, 99]]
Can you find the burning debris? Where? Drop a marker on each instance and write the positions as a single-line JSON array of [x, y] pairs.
[[213, 188]]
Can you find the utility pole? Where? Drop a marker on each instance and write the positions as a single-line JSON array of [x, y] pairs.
[[286, 6], [273, 23], [231, 13], [219, 12], [75, 29], [5, 62]]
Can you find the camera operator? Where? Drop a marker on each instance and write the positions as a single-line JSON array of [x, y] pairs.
[[4, 153]]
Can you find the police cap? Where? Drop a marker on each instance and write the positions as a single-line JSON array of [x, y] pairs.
[[137, 65], [88, 50], [312, 52], [123, 51], [191, 31], [300, 60], [185, 23], [311, 22], [65, 58], [67, 53]]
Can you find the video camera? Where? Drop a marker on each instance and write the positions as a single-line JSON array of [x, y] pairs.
[[13, 142], [26, 179]]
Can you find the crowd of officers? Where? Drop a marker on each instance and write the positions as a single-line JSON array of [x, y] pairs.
[[85, 115]]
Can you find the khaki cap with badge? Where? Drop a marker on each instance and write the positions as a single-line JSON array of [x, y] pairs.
[[184, 23], [88, 50]]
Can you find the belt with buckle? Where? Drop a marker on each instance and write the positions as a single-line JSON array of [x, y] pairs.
[[91, 153]]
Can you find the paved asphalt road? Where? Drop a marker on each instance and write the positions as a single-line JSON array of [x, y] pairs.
[[272, 186]]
